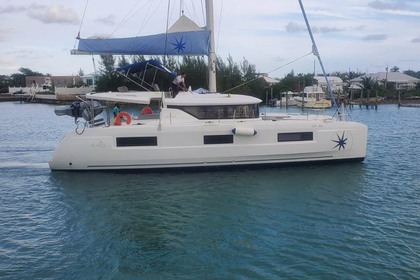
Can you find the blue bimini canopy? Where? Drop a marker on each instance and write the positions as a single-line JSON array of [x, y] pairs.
[[143, 66]]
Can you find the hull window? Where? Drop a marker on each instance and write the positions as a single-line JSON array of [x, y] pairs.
[[295, 136], [218, 139], [136, 141]]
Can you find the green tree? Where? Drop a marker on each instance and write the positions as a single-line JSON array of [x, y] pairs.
[[4, 83], [395, 69], [110, 80], [228, 75], [28, 72], [196, 70], [369, 85], [412, 73], [19, 79]]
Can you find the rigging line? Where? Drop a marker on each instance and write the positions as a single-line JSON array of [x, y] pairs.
[[195, 16], [257, 77], [150, 15], [126, 18], [220, 24], [145, 19], [81, 24], [290, 62], [194, 12], [203, 12]]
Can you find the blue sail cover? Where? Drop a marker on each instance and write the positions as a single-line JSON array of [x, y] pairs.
[[177, 43], [144, 65]]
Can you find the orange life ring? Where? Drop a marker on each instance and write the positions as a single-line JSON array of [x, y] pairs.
[[117, 120], [146, 111]]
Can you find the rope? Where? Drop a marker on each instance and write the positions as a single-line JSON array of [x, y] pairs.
[[131, 12], [293, 61], [247, 82], [81, 24], [220, 24]]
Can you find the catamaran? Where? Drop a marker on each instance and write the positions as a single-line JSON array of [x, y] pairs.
[[194, 129]]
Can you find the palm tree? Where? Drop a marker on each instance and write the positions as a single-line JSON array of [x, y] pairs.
[[367, 85], [395, 69]]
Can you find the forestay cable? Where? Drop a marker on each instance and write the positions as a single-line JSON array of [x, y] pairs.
[[290, 62]]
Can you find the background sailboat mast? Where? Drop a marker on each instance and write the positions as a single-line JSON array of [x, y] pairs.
[[212, 54]]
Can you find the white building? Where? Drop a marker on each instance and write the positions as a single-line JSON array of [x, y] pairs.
[[398, 80], [336, 83]]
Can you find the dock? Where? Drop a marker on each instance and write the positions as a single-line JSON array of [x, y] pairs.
[[40, 98], [364, 104]]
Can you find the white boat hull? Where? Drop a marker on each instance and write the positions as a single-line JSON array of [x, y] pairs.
[[172, 144], [312, 103], [286, 102]]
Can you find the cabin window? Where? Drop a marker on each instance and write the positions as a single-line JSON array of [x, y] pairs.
[[295, 136], [136, 141], [219, 112], [218, 139]]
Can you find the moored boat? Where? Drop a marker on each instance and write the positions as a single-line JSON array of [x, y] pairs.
[[286, 99], [313, 97]]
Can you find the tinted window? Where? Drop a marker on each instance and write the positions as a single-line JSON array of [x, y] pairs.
[[295, 136], [136, 141], [218, 139]]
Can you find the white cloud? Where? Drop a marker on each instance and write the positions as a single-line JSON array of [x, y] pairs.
[[387, 5], [55, 13], [293, 27], [109, 20], [5, 33], [12, 9], [375, 37]]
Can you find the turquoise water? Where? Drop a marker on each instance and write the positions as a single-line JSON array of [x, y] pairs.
[[344, 221]]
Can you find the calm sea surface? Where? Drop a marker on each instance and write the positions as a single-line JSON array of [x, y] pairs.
[[346, 221]]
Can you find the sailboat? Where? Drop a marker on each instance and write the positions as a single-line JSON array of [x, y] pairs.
[[194, 129]]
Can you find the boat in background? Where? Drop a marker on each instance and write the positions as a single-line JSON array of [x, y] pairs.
[[287, 99], [313, 97], [195, 129]]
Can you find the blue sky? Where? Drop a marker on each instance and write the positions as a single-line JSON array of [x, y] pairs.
[[355, 35]]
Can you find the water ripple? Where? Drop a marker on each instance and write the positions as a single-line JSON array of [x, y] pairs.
[[351, 221]]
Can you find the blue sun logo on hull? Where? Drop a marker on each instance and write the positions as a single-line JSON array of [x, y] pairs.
[[179, 45], [341, 142]]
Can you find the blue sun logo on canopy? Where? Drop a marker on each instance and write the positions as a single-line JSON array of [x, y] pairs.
[[179, 45], [341, 142]]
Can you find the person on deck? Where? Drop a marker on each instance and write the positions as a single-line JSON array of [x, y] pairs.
[[179, 83], [116, 110]]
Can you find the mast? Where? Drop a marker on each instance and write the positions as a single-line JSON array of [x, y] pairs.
[[316, 53], [212, 54]]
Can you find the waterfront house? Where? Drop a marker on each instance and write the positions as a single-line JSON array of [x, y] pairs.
[[336, 83], [399, 81]]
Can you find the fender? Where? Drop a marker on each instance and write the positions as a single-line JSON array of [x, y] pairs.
[[146, 111]]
